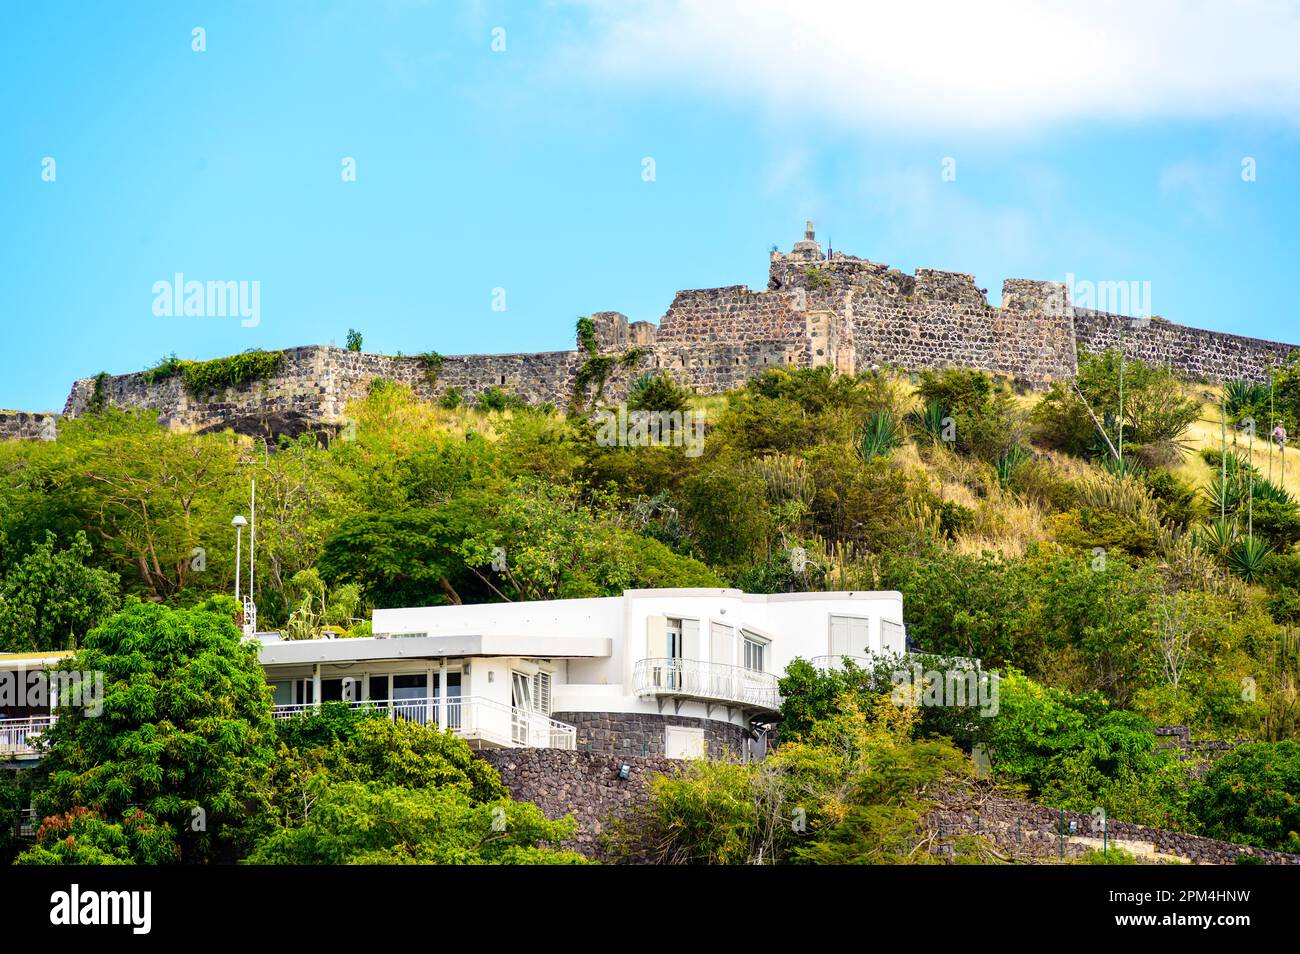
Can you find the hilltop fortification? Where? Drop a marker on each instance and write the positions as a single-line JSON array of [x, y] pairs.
[[818, 309]]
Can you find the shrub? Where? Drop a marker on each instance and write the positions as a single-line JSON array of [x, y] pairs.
[[354, 340], [1252, 796], [657, 392], [207, 377], [984, 415]]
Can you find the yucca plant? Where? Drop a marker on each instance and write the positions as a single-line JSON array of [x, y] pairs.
[[880, 435], [1218, 536], [1011, 461], [1247, 556], [928, 422], [1126, 467], [1239, 396], [1265, 489]]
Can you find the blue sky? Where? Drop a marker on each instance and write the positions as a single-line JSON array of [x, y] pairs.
[[1092, 140]]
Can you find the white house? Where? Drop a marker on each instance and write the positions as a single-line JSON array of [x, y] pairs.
[[676, 672]]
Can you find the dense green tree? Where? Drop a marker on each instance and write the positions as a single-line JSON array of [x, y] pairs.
[[1252, 796], [52, 598], [183, 731], [82, 837], [369, 823]]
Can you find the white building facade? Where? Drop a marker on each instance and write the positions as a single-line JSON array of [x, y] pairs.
[[675, 672]]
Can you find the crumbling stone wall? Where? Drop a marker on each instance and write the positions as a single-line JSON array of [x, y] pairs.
[[1023, 831], [818, 310], [24, 426], [733, 315]]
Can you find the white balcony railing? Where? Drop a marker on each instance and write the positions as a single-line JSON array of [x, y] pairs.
[[473, 718], [705, 681], [18, 736]]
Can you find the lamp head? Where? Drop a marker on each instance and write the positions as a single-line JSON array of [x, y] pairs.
[[239, 521]]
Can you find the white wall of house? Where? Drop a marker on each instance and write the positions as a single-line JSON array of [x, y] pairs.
[[792, 625]]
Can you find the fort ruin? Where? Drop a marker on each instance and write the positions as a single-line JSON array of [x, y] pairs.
[[818, 309]]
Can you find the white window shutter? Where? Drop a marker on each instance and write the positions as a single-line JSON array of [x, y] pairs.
[[542, 692], [840, 637], [724, 645], [690, 639], [861, 636], [656, 637]]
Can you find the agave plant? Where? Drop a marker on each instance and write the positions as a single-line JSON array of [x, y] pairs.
[[929, 421], [1011, 461], [880, 435], [1241, 396], [1125, 467], [1247, 557], [1218, 536]]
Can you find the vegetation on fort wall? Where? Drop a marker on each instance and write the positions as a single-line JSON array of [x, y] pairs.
[[203, 378]]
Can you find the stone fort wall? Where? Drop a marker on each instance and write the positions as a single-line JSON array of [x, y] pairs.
[[835, 310]]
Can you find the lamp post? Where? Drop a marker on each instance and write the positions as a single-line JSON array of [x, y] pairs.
[[239, 523]]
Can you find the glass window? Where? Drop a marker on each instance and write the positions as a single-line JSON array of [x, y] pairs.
[[755, 654], [413, 686]]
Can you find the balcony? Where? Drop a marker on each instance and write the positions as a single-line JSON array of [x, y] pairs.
[[478, 720], [18, 736], [711, 683]]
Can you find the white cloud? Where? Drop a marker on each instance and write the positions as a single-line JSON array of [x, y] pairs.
[[945, 64]]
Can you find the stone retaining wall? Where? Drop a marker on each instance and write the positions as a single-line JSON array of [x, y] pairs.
[[583, 784], [642, 733], [1026, 832]]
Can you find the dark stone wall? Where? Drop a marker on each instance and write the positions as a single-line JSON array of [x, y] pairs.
[[583, 784], [1027, 832], [22, 426], [1197, 354], [586, 785], [642, 733]]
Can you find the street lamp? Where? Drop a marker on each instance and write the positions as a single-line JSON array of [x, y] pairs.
[[239, 523]]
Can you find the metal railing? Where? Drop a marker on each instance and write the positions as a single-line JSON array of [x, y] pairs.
[[17, 736], [473, 718], [711, 682]]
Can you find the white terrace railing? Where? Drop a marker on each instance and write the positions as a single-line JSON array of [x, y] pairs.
[[709, 682], [18, 736], [473, 718]]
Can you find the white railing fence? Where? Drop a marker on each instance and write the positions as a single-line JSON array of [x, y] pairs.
[[18, 736], [704, 680], [471, 717]]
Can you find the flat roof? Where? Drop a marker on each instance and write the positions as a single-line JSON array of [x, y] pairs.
[[15, 660], [299, 651]]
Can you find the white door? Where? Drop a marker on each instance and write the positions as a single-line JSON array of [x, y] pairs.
[[521, 701], [681, 742]]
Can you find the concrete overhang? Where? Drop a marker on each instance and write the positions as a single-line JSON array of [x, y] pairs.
[[432, 647]]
